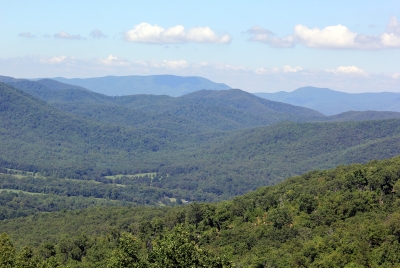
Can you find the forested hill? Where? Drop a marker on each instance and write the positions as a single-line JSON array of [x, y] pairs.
[[54, 91], [205, 166], [344, 217], [35, 133], [191, 160], [247, 102], [331, 102], [170, 85], [221, 110], [198, 111]]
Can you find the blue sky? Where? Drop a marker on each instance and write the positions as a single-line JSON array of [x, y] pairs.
[[257, 46]]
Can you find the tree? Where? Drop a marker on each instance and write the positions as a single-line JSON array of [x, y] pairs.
[[7, 252], [177, 250], [26, 259], [126, 255]]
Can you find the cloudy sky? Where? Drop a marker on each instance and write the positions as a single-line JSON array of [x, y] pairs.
[[257, 46]]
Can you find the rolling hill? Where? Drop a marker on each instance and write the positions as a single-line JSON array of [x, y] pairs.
[[207, 165], [207, 145], [207, 109]]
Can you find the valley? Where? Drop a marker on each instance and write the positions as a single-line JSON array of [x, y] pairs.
[[153, 167]]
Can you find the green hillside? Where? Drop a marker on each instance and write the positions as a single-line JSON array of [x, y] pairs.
[[191, 161], [267, 155], [34, 133], [207, 109], [200, 111], [344, 217]]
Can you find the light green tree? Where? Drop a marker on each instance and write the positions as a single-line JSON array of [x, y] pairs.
[[7, 252]]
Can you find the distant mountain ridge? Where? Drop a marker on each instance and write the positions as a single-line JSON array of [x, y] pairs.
[[170, 85], [218, 109], [330, 102], [203, 109]]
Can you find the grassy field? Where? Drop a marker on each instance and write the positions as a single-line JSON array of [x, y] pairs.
[[19, 191], [139, 175]]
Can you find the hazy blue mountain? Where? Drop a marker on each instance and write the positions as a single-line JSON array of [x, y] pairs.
[[330, 102], [53, 92], [363, 116], [8, 79], [154, 84], [197, 112]]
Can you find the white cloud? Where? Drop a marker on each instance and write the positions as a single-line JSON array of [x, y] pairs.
[[154, 34], [390, 40], [26, 34], [275, 70], [53, 60], [330, 37], [352, 70], [228, 67], [97, 34], [395, 75], [288, 69], [287, 78], [65, 35], [165, 64], [114, 61], [393, 26]]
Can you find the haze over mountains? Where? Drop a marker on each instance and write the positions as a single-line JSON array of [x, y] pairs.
[[323, 100], [330, 102], [153, 84]]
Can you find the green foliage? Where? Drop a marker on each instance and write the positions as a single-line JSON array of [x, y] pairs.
[[7, 252], [202, 146], [176, 249], [345, 217], [127, 253]]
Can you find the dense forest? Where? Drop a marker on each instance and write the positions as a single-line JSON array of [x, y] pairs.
[[98, 150], [344, 217], [88, 180]]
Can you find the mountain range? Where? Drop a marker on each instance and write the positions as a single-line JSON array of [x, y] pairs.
[[153, 84], [330, 102], [207, 145], [326, 101]]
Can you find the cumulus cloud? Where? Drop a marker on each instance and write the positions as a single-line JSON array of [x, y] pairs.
[[97, 34], [330, 37], [26, 34], [65, 35], [154, 34], [352, 70], [114, 61]]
